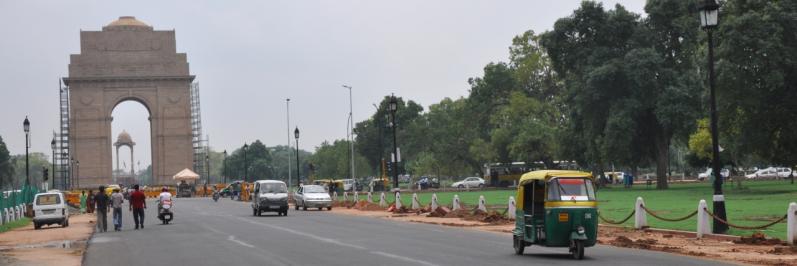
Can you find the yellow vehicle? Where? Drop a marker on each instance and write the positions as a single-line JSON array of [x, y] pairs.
[[556, 208], [109, 189], [507, 174], [380, 184]]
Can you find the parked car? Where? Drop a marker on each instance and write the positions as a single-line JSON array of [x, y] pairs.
[[426, 183], [469, 182], [312, 196], [771, 173], [725, 173], [50, 208], [269, 196]]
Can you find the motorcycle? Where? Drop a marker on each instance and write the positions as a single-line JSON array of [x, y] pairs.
[[165, 212], [215, 196]]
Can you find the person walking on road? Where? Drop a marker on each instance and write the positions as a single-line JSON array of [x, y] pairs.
[[138, 203], [90, 201], [116, 202], [101, 204], [83, 202]]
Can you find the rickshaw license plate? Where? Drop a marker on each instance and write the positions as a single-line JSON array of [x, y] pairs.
[[563, 217]]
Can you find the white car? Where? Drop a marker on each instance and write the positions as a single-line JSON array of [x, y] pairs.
[[707, 174], [469, 182], [771, 172], [50, 208], [312, 196]]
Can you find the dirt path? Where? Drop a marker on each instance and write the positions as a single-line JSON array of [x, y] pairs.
[[707, 248], [52, 245]]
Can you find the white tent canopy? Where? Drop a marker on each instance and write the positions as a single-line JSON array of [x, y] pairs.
[[186, 174]]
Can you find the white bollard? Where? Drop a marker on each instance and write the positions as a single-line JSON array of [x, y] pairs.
[[334, 196], [416, 204], [703, 220], [398, 200], [5, 215], [17, 213], [435, 204], [345, 196], [791, 223], [370, 198], [640, 216], [356, 197], [482, 204], [511, 210], [455, 203], [382, 201]]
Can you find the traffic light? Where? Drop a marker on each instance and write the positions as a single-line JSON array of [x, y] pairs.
[[45, 173], [390, 168]]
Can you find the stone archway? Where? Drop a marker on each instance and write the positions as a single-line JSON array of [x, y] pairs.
[[128, 60]]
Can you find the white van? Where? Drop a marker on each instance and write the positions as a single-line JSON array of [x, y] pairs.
[[270, 196], [50, 208]]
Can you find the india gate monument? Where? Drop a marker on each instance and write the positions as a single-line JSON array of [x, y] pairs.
[[129, 61]]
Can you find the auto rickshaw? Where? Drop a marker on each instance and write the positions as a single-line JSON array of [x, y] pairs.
[[556, 208], [330, 185], [379, 184]]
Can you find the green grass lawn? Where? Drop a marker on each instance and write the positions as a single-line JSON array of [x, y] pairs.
[[756, 204], [15, 224]]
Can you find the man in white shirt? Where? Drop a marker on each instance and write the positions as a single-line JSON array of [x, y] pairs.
[[165, 196], [116, 202]]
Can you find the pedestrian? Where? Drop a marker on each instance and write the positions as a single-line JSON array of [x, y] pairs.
[[82, 201], [138, 203], [116, 202], [101, 205], [90, 201]]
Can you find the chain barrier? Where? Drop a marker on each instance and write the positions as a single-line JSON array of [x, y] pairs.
[[745, 227], [669, 219], [616, 222]]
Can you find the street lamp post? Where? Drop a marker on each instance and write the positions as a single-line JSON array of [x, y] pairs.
[[52, 145], [224, 173], [207, 166], [246, 164], [709, 16], [350, 129], [26, 127], [393, 106], [288, 120], [77, 175], [296, 135]]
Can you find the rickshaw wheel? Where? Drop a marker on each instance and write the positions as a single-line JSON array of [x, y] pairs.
[[518, 244], [578, 250]]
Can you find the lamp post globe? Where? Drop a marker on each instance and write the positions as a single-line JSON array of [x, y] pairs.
[[709, 13]]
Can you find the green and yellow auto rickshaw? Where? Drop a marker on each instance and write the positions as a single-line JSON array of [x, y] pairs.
[[556, 208]]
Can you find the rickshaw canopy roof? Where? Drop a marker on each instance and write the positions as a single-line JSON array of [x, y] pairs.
[[548, 174]]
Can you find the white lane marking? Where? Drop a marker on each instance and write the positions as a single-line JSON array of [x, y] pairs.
[[394, 256], [319, 238], [239, 242]]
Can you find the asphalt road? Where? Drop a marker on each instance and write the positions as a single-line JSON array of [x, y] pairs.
[[225, 233]]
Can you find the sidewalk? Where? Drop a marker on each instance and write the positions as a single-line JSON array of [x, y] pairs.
[[51, 245]]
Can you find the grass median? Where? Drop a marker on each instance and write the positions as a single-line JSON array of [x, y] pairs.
[[15, 224], [756, 204]]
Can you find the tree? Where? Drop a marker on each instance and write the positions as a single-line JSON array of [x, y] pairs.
[[627, 95], [374, 139], [6, 168], [756, 79], [332, 161]]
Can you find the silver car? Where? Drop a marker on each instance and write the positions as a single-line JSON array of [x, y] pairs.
[[312, 196]]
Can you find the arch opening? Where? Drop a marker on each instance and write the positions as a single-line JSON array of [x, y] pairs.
[[131, 149]]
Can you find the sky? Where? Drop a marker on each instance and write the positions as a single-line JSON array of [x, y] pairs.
[[250, 56]]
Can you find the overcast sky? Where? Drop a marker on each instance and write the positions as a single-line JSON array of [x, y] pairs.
[[249, 56]]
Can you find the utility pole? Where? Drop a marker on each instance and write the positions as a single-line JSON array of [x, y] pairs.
[[351, 133], [288, 113]]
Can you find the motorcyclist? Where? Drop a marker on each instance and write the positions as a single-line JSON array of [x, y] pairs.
[[165, 196]]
